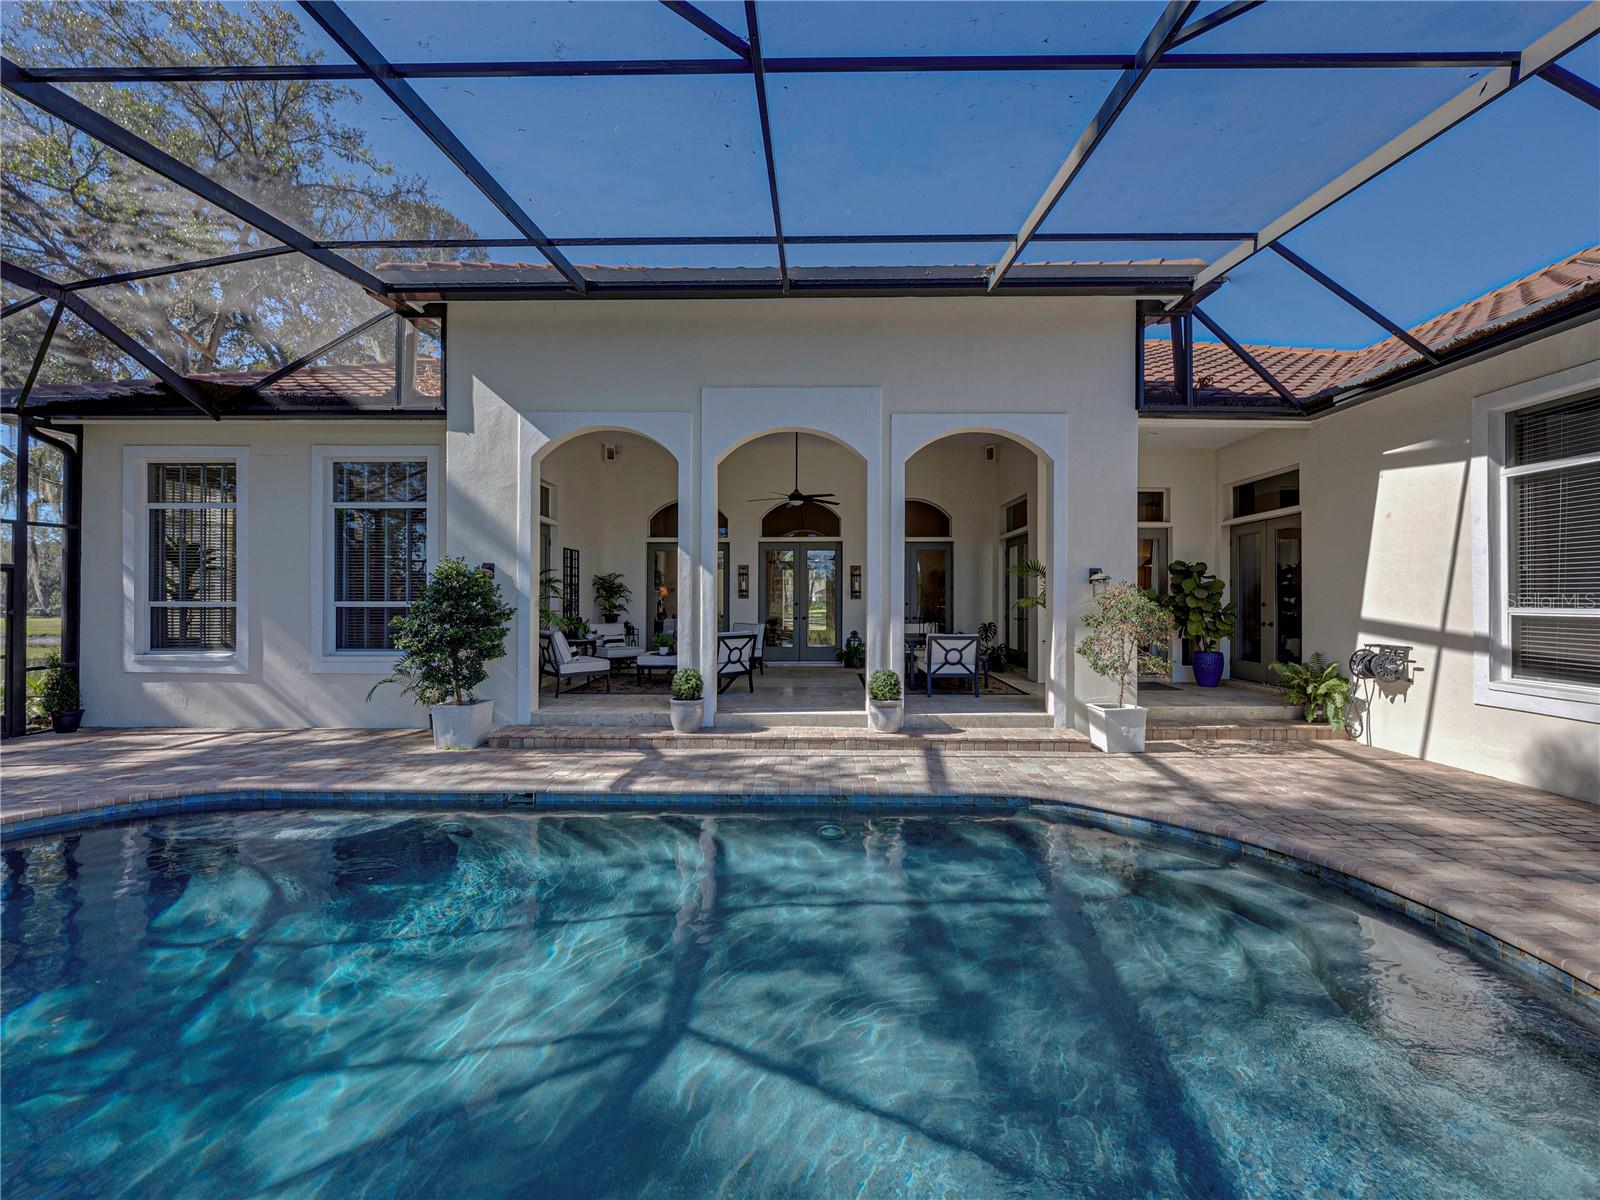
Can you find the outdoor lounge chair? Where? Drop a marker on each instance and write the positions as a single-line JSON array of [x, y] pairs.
[[735, 653], [760, 630], [556, 658], [612, 643], [949, 656]]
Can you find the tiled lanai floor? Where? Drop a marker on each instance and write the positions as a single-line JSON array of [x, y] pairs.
[[1517, 863]]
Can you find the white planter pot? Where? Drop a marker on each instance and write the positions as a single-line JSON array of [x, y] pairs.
[[461, 726], [1117, 728], [688, 715], [886, 716]]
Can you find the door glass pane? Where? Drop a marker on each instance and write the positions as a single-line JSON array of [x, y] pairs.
[[1153, 559], [822, 597], [1286, 564], [931, 581], [1016, 620], [663, 588], [1247, 591], [779, 598]]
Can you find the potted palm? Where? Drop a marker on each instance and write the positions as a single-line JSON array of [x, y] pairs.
[[58, 696], [456, 626], [688, 700], [1124, 626], [611, 596], [1195, 603], [886, 710]]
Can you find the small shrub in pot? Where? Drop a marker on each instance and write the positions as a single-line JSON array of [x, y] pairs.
[[58, 696], [688, 700], [885, 708]]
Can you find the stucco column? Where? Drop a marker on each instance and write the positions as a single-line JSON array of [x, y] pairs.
[[891, 569], [1053, 545], [691, 544], [701, 650]]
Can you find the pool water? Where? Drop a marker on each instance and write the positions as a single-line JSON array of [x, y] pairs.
[[625, 1005]]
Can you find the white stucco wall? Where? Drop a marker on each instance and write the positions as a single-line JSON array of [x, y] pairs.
[[1387, 524], [561, 368], [277, 686]]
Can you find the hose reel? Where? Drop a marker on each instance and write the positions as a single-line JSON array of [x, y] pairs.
[[1385, 662]]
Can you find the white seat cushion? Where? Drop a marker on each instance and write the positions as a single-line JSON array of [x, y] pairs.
[[609, 631], [559, 647], [584, 664], [615, 650]]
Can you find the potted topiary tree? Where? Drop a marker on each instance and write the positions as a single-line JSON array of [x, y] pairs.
[[688, 700], [611, 596], [58, 696], [1195, 603], [454, 627], [886, 710], [1124, 626]]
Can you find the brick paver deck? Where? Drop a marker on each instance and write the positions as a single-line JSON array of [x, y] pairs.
[[1517, 863]]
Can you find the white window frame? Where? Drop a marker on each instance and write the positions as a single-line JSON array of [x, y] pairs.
[[1166, 507], [325, 660], [137, 656], [1492, 683]]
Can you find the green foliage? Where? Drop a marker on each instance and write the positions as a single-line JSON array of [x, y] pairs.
[[852, 655], [58, 693], [571, 626], [1029, 570], [687, 684], [74, 209], [455, 626], [611, 595], [661, 641], [1318, 686], [1195, 603], [990, 648], [884, 686], [549, 594], [1124, 626]]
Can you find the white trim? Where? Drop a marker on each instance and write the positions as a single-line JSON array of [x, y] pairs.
[[1271, 514], [137, 657], [324, 659], [1491, 685]]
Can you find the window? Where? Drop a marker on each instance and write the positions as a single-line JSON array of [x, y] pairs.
[[380, 548], [808, 520], [664, 522], [547, 502], [184, 551], [1552, 531], [1536, 546], [1017, 514], [1152, 506], [1266, 495], [375, 526], [924, 520], [193, 576]]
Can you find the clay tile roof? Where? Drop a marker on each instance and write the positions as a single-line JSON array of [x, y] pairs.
[[1223, 378]]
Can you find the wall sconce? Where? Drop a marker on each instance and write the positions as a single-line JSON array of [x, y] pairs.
[[855, 583], [744, 581], [1098, 580]]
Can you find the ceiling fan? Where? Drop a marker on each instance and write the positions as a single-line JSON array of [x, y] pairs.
[[796, 498]]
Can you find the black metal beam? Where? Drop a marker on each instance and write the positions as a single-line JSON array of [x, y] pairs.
[[305, 360], [1155, 44], [714, 30], [64, 108], [767, 239], [1249, 360], [111, 331], [1356, 302], [759, 73], [342, 30], [178, 268], [17, 306], [1220, 17], [1575, 86], [784, 65], [39, 356]]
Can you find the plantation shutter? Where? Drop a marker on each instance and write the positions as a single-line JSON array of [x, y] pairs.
[[193, 572], [1553, 541], [380, 555]]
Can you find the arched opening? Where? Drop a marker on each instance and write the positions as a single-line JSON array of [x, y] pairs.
[[797, 500], [925, 520], [661, 553], [664, 522]]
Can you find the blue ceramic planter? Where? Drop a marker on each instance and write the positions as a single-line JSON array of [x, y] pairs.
[[1207, 667]]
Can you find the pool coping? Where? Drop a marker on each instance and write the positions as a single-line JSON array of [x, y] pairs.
[[1530, 961]]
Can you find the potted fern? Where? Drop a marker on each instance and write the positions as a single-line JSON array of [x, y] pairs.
[[1195, 602], [886, 710], [1318, 687], [688, 700], [1126, 623], [58, 696], [456, 626]]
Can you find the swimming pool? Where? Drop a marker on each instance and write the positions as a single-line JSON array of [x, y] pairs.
[[843, 1004]]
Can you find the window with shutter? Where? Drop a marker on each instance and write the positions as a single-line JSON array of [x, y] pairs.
[[193, 569], [1552, 553], [380, 547]]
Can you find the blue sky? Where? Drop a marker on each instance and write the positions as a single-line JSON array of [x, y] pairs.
[[1513, 188]]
